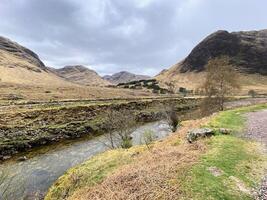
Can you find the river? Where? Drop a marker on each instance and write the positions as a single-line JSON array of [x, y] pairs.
[[43, 166]]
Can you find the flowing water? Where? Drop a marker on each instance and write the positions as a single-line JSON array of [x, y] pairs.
[[43, 166]]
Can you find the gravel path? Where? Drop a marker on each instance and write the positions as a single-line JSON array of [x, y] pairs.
[[257, 126], [257, 130], [245, 102]]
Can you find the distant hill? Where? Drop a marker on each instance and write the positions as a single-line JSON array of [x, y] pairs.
[[19, 65], [247, 51], [124, 77], [81, 75], [23, 76]]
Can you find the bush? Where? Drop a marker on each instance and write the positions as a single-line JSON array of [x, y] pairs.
[[132, 87], [252, 93], [126, 143], [163, 91], [155, 91], [148, 138]]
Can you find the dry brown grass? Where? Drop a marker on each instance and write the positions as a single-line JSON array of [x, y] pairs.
[[193, 80], [20, 77], [153, 175], [51, 92]]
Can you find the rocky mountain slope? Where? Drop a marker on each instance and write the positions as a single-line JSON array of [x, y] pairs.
[[24, 76], [247, 51], [81, 75], [124, 77], [19, 65]]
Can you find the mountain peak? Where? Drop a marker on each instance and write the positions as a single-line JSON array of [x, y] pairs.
[[247, 51], [81, 75], [124, 77], [14, 49]]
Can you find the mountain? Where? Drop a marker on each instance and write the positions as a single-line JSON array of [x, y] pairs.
[[247, 51], [81, 75], [19, 65], [124, 77], [24, 76]]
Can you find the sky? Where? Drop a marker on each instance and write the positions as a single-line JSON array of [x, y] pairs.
[[140, 36]]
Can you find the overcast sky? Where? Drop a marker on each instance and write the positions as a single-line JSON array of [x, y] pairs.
[[140, 36]]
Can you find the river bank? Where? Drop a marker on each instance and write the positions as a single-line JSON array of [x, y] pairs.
[[220, 167], [30, 179], [24, 127]]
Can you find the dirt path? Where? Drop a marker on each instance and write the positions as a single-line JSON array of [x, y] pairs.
[[257, 126], [257, 130]]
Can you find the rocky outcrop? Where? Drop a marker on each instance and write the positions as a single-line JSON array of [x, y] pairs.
[[124, 77], [81, 75], [247, 51], [21, 52]]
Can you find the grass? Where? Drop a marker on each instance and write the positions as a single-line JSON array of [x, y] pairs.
[[91, 172], [234, 119], [238, 159], [173, 169]]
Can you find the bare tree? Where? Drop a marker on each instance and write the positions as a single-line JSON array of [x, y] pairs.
[[121, 124], [221, 81]]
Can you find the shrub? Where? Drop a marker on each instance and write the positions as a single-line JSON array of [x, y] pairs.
[[252, 93], [126, 143], [148, 138]]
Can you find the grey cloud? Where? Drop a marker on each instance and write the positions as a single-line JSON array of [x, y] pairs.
[[142, 36]]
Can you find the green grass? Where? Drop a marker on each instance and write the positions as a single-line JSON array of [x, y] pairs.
[[234, 119], [235, 157]]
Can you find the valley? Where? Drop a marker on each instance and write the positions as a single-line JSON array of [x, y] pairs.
[[70, 132]]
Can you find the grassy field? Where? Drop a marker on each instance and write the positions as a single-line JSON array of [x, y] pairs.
[[173, 169]]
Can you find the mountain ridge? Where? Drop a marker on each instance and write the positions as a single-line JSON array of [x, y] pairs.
[[247, 51], [82, 75], [124, 77]]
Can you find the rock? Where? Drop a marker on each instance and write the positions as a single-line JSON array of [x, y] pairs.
[[215, 171], [6, 157], [225, 131], [22, 158], [194, 134]]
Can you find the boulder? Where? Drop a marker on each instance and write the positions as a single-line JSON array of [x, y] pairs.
[[22, 158], [225, 131], [194, 134]]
